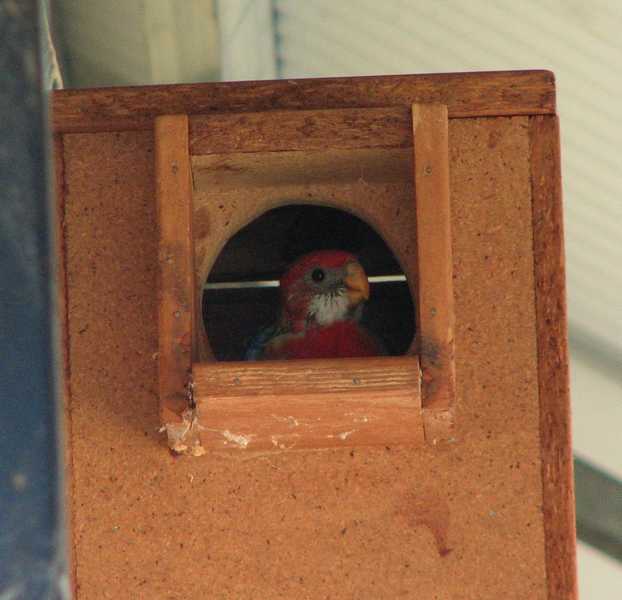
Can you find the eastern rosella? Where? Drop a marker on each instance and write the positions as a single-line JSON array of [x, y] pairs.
[[322, 297]]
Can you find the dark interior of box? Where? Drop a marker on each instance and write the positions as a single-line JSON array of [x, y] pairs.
[[262, 250]]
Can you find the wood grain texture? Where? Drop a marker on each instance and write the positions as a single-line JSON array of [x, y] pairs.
[[280, 130], [309, 403], [176, 290], [465, 94], [552, 341], [435, 299]]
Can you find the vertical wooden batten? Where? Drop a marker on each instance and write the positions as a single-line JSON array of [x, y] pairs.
[[176, 286], [435, 301], [558, 504]]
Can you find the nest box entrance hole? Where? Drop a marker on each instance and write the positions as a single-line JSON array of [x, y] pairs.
[[241, 295]]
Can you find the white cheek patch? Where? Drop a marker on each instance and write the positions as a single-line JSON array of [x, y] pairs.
[[328, 308]]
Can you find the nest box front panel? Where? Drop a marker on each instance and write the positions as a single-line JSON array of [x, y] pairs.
[[459, 520]]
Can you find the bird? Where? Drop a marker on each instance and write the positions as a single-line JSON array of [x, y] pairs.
[[322, 298]]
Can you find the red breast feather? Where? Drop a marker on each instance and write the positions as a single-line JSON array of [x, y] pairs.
[[343, 339]]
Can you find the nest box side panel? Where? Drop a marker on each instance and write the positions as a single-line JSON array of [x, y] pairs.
[[553, 378], [459, 520]]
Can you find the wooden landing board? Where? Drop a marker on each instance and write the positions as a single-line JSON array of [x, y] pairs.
[[309, 403], [465, 94]]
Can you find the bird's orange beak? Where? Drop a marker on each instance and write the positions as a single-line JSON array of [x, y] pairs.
[[356, 283]]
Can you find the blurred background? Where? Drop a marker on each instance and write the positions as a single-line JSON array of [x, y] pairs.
[[134, 42]]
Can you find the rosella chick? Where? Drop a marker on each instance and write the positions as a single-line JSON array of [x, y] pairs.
[[322, 297]]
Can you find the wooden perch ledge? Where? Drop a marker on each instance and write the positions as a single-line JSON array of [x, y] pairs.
[[309, 403]]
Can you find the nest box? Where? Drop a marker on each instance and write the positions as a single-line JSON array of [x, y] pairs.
[[443, 470]]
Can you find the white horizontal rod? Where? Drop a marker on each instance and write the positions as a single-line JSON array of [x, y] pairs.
[[272, 283]]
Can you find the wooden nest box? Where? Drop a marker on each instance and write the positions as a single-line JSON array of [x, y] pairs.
[[443, 470]]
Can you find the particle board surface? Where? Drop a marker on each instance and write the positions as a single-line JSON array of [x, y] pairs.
[[460, 520]]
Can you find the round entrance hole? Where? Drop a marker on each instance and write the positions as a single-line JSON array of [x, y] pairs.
[[242, 296]]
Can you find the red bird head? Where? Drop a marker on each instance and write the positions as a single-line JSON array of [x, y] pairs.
[[322, 288]]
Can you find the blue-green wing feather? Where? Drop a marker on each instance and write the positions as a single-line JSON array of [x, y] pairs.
[[259, 341]]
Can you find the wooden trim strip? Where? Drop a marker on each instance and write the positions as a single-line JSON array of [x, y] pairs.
[[176, 289], [287, 130], [61, 260], [58, 156], [309, 403], [501, 93], [435, 299], [552, 340]]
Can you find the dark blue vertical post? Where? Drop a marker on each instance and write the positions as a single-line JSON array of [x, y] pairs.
[[32, 548]]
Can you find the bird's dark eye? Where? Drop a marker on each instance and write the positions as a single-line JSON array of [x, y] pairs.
[[318, 275]]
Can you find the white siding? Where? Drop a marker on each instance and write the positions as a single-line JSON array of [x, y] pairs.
[[120, 42], [247, 41]]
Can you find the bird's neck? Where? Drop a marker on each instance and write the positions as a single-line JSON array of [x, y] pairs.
[[320, 312]]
